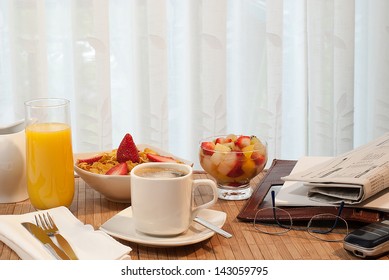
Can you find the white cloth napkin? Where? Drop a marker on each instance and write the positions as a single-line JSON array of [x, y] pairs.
[[87, 243]]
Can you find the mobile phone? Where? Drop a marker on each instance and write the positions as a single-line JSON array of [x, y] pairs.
[[369, 241]]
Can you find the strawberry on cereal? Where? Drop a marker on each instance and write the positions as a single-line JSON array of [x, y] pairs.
[[120, 161]]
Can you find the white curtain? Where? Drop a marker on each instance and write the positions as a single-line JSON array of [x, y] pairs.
[[310, 76]]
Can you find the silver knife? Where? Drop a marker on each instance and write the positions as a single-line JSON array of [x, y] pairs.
[[216, 229], [46, 241]]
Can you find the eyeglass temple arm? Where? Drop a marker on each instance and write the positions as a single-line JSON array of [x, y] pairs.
[[273, 201], [335, 223], [338, 215]]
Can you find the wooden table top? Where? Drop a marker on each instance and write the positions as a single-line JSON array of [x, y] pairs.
[[246, 244]]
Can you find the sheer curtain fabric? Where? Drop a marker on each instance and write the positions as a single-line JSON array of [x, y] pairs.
[[309, 76]]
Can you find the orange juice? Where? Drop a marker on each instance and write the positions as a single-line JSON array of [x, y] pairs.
[[50, 177]]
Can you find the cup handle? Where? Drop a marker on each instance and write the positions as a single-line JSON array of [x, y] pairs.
[[204, 182]]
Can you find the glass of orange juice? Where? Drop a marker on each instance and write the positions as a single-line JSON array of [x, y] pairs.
[[49, 153]]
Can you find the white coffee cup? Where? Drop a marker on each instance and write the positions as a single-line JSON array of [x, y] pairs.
[[164, 206]]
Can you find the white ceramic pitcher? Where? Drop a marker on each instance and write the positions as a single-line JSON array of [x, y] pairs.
[[13, 185]]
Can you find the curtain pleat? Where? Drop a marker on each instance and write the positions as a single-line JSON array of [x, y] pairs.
[[91, 62], [372, 71]]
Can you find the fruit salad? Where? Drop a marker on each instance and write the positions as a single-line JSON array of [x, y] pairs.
[[120, 161], [233, 160]]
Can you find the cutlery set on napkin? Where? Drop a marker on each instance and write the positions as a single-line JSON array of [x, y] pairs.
[[21, 234], [60, 254]]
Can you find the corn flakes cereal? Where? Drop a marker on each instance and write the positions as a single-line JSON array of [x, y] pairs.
[[108, 160]]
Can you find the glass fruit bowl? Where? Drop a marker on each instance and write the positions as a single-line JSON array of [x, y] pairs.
[[233, 160]]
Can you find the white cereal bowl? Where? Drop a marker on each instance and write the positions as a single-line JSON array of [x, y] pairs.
[[116, 188]]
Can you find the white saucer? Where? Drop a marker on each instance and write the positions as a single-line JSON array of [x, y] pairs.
[[121, 226]]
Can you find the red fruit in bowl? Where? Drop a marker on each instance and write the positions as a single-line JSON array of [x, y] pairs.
[[258, 158], [208, 148], [127, 150], [159, 158], [222, 140], [119, 169], [90, 160], [243, 141], [231, 165], [236, 170]]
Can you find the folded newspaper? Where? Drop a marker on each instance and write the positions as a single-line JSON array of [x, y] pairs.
[[351, 177]]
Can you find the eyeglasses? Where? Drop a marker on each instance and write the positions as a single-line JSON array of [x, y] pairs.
[[326, 227]]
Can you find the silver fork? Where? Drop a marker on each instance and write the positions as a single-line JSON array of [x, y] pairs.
[[45, 222]]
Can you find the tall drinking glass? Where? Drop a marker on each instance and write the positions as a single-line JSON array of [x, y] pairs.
[[49, 154]]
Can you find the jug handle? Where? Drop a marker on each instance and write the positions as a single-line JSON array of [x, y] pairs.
[[12, 128]]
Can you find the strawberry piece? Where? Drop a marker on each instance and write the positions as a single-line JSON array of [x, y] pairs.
[[222, 140], [127, 150], [236, 170], [208, 148], [258, 158], [159, 158], [243, 141], [90, 160], [119, 169]]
